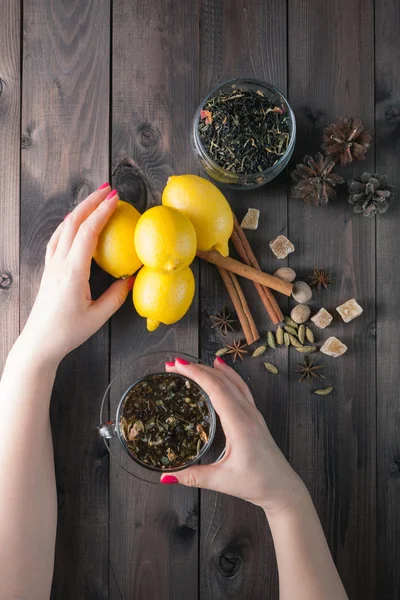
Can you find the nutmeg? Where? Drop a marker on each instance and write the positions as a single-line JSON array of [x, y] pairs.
[[301, 292], [286, 273], [301, 313]]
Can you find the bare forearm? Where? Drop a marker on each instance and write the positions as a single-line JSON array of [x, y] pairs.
[[28, 496], [306, 568]]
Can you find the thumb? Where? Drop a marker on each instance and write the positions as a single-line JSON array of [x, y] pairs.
[[199, 476], [113, 298]]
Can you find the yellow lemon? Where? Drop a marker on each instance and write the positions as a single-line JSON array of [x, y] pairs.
[[115, 252], [206, 207], [165, 239], [163, 297]]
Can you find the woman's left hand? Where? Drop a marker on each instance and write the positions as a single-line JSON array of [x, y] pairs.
[[64, 314]]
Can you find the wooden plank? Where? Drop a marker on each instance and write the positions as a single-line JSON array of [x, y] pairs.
[[387, 72], [332, 441], [65, 113], [9, 168], [154, 529], [237, 556]]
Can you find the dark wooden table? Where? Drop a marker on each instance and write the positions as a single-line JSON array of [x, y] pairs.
[[87, 85]]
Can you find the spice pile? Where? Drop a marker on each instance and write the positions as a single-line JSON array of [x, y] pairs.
[[165, 421], [295, 332]]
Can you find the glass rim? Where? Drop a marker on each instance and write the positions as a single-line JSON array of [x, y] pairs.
[[197, 458], [249, 81]]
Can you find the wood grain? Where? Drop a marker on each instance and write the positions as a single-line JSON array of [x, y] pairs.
[[333, 443], [65, 113], [244, 39], [387, 73], [10, 28], [154, 529]]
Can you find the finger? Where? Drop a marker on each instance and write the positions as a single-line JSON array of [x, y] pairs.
[[170, 367], [109, 302], [77, 217], [220, 365], [199, 476], [225, 398], [53, 242], [85, 241]]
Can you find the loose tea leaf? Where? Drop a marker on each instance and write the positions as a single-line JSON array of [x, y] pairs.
[[259, 351], [324, 391], [165, 420], [243, 131], [271, 339], [271, 368]]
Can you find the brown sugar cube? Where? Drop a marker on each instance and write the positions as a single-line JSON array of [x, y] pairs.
[[250, 220], [281, 246], [333, 347], [322, 319], [349, 310]]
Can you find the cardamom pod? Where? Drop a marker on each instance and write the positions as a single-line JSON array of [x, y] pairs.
[[271, 339], [323, 391], [302, 333], [221, 351], [290, 322], [307, 349], [294, 341], [309, 335], [291, 330], [279, 336], [271, 368], [258, 351], [286, 339]]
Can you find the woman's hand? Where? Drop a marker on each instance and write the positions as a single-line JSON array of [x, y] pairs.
[[253, 467], [64, 314]]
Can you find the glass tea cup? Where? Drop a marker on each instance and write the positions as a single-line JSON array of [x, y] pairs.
[[129, 376]]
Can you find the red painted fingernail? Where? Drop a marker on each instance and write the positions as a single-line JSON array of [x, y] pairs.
[[131, 281], [182, 361], [221, 361], [103, 185], [111, 194], [169, 479], [67, 215], [169, 364]]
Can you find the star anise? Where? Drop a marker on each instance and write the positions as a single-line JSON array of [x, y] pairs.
[[321, 278], [237, 349], [308, 370], [223, 322]]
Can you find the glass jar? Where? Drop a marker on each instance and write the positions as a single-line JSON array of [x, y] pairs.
[[238, 180], [112, 404]]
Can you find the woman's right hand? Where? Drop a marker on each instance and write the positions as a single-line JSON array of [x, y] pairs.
[[253, 468]]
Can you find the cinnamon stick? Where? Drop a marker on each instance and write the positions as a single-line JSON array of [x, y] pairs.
[[235, 266], [240, 304], [245, 252]]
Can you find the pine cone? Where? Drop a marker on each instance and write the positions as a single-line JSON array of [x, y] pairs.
[[346, 140], [314, 181], [371, 195]]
